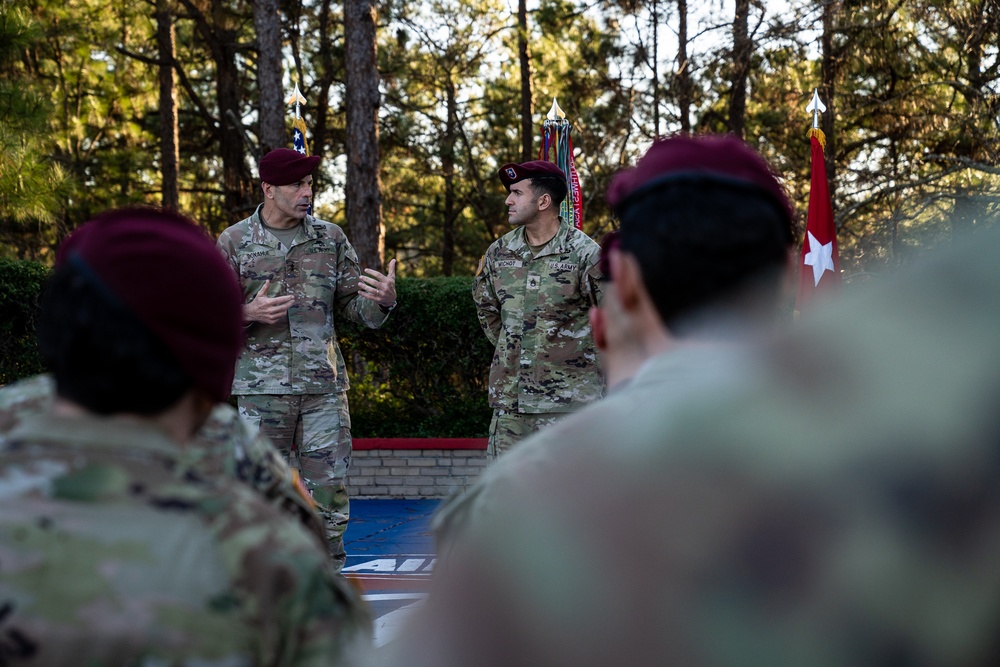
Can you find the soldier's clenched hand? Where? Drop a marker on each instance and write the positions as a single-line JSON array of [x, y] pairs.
[[379, 287], [266, 309]]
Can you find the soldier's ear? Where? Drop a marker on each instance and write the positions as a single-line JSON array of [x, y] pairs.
[[627, 282], [544, 201]]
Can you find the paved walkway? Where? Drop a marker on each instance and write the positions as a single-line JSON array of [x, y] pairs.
[[390, 554]]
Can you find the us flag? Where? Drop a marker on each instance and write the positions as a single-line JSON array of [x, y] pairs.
[[299, 136]]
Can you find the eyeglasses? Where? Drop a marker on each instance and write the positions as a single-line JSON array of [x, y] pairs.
[[610, 241]]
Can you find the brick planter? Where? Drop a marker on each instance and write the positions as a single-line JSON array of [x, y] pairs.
[[414, 467]]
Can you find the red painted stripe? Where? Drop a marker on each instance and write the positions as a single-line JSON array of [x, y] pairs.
[[419, 443], [374, 583]]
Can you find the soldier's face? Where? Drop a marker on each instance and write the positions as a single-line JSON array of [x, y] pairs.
[[522, 204], [292, 200]]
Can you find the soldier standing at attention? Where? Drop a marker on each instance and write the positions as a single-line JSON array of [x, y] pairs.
[[533, 290], [297, 272], [112, 550]]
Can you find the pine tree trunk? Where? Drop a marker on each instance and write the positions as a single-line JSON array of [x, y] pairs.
[[524, 58], [742, 49], [448, 172], [267, 22], [828, 93], [169, 152], [363, 194], [684, 101]]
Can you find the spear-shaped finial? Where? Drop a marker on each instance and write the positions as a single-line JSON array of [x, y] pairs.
[[555, 113], [296, 99], [817, 107]]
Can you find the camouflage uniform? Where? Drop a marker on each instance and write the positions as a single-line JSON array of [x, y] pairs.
[[831, 498], [298, 360], [112, 552], [533, 309], [224, 445]]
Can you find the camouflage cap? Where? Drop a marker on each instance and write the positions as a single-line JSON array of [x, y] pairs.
[[511, 173], [283, 166]]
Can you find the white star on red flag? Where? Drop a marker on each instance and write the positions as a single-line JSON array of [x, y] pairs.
[[819, 257]]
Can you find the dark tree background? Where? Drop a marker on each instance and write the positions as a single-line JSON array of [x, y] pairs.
[[414, 105]]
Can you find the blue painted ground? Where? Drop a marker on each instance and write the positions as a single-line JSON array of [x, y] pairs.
[[390, 555], [388, 528]]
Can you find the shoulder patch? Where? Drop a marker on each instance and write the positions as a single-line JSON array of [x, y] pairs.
[[482, 260]]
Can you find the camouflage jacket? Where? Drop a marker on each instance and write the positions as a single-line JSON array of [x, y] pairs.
[[299, 355], [534, 310], [225, 445], [113, 553]]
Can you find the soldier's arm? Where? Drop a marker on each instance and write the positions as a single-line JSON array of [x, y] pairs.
[[593, 280], [487, 302], [348, 300]]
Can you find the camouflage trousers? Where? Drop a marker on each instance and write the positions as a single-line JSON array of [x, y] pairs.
[[313, 432], [509, 428]]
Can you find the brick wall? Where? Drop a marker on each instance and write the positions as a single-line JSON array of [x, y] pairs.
[[414, 467]]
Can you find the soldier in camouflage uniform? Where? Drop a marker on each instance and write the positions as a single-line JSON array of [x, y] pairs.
[[829, 498], [532, 291], [297, 274], [225, 445], [113, 551]]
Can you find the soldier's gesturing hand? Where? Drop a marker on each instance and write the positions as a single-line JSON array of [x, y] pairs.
[[266, 309], [380, 288]]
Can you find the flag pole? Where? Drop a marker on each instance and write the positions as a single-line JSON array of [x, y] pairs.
[[298, 124], [557, 140], [819, 267]]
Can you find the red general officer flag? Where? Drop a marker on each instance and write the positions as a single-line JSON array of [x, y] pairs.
[[819, 268]]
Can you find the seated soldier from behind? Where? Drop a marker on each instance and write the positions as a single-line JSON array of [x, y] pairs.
[[224, 445], [112, 551]]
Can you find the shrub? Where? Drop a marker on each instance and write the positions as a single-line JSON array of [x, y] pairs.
[[424, 373], [20, 286]]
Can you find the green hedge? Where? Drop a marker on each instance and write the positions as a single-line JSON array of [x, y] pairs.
[[20, 286], [423, 374]]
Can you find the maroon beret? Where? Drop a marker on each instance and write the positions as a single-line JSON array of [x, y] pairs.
[[723, 157], [167, 271], [283, 166], [512, 173]]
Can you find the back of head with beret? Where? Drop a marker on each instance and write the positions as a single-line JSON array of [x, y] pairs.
[[724, 158], [166, 271], [709, 224]]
